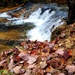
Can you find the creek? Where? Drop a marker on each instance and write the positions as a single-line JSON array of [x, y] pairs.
[[44, 17]]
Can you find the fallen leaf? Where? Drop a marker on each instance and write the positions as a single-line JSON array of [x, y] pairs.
[[31, 59], [70, 68], [17, 69]]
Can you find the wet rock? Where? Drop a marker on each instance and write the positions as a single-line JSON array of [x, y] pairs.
[[3, 27], [44, 9], [9, 42]]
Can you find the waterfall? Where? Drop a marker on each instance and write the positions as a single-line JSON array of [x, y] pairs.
[[44, 24], [45, 19]]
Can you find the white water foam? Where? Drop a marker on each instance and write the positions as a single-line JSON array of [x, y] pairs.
[[44, 24], [5, 15]]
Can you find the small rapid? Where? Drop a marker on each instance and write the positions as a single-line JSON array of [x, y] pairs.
[[45, 19]]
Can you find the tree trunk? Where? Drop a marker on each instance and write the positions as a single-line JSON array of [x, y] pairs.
[[71, 11]]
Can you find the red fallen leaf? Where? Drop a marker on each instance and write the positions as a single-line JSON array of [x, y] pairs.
[[34, 52], [54, 63], [72, 31], [17, 59], [66, 54], [70, 52]]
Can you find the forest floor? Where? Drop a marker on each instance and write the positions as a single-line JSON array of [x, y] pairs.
[[42, 58]]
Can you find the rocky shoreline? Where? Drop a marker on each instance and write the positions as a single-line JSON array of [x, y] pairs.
[[42, 58]]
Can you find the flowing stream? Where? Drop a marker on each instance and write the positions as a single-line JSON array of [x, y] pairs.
[[45, 19]]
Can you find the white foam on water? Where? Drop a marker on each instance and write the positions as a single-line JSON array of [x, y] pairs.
[[5, 15], [44, 24]]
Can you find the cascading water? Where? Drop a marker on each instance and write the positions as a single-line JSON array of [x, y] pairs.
[[45, 20]]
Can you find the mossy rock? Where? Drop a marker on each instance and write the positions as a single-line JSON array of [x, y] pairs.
[[58, 31]]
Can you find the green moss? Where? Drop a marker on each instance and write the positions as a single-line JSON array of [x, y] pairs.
[[55, 33], [53, 37], [58, 31], [5, 72]]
